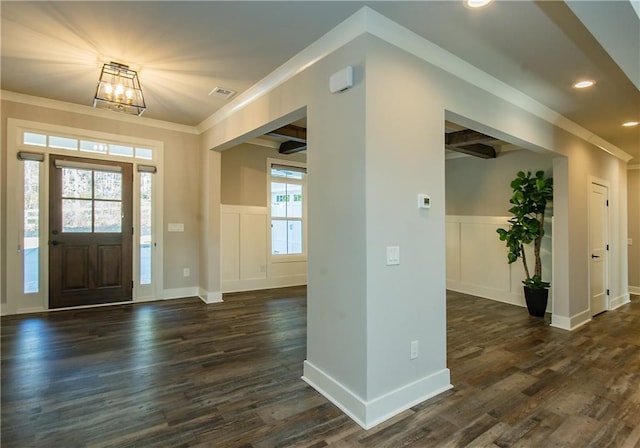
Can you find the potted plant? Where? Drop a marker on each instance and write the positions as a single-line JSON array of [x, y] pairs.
[[529, 202]]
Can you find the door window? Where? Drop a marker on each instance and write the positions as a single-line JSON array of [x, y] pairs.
[[91, 201]]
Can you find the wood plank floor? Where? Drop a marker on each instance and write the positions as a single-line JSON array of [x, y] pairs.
[[182, 373]]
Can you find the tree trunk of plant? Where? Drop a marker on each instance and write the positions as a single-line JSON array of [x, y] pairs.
[[536, 248], [524, 261]]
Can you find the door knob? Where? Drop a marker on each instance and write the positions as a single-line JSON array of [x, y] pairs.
[[55, 243], [595, 256]]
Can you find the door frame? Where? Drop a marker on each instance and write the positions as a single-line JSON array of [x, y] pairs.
[[592, 180], [17, 301]]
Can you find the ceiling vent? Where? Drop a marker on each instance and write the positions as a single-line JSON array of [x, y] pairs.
[[221, 92]]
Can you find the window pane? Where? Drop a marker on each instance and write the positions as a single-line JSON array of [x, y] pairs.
[[278, 237], [108, 216], [280, 172], [294, 205], [108, 185], [146, 180], [279, 200], [286, 237], [77, 183], [63, 143], [31, 226], [294, 237], [119, 150], [88, 146], [76, 215], [29, 138], [143, 153]]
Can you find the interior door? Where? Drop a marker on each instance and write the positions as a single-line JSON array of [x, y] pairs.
[[598, 245], [90, 231]]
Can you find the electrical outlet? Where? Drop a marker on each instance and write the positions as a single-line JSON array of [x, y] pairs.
[[414, 350], [186, 272]]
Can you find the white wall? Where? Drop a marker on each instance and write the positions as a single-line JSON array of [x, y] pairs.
[[381, 147], [477, 202], [634, 228], [477, 260]]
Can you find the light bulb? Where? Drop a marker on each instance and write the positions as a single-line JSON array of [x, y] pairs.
[[119, 90], [129, 94], [477, 3], [584, 84]]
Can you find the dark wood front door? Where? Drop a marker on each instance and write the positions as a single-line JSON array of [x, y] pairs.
[[90, 231]]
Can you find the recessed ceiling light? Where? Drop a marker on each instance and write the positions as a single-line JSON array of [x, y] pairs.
[[584, 84], [476, 3], [628, 124]]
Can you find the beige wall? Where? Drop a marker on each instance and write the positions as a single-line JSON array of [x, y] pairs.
[[633, 181], [181, 181], [244, 173], [478, 187]]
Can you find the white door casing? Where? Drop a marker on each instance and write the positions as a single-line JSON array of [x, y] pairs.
[[598, 248]]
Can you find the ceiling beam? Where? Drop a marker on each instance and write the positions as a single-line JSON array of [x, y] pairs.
[[475, 149], [466, 137], [291, 147], [290, 132]]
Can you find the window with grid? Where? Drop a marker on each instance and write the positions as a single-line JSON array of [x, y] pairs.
[[287, 205]]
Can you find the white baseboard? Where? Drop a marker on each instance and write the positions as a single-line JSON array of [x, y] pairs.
[[373, 412], [487, 293], [210, 296], [619, 301], [263, 283], [634, 289], [570, 323], [492, 294], [178, 293]]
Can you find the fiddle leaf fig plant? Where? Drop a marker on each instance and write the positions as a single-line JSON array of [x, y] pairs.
[[531, 193]]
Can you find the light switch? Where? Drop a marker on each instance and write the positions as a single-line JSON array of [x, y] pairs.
[[175, 227], [393, 255]]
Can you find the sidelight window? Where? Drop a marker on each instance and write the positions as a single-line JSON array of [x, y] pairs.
[[31, 239]]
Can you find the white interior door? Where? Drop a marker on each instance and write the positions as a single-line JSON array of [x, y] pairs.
[[598, 246]]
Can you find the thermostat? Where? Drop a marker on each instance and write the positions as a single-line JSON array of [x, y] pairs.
[[424, 201]]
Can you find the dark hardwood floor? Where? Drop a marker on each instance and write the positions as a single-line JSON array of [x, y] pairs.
[[182, 373]]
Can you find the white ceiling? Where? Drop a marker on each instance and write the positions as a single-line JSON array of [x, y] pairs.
[[183, 50]]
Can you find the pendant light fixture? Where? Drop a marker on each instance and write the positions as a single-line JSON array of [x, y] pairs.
[[119, 90]]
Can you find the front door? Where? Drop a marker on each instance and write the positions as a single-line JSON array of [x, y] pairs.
[[90, 231], [598, 246]]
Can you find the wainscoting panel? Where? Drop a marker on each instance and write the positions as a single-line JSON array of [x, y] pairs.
[[246, 261], [477, 260]]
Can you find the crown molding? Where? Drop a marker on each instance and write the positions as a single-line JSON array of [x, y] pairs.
[[21, 98], [369, 21]]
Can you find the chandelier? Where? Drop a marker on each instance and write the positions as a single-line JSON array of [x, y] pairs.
[[119, 89]]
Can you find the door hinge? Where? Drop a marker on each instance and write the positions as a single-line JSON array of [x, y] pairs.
[[607, 247], [132, 285], [607, 292], [607, 202], [132, 229]]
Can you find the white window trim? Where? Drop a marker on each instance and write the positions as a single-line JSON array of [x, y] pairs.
[[287, 258], [16, 300]]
